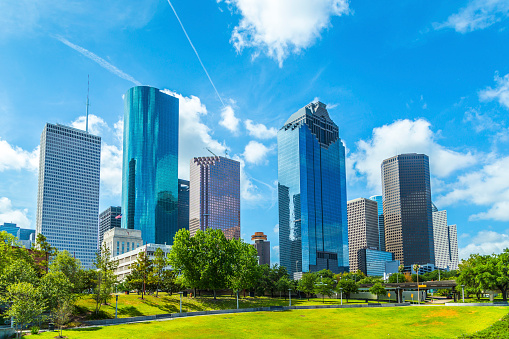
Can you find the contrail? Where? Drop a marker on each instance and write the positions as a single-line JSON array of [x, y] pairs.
[[194, 49], [103, 63]]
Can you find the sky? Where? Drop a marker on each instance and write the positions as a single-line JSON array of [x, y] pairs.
[[407, 76]]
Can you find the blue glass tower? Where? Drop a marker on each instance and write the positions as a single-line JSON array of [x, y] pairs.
[[150, 164], [313, 229], [381, 228]]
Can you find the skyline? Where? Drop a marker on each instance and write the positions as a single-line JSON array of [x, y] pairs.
[[423, 72]]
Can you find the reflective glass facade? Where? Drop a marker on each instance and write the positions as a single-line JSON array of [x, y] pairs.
[[150, 164], [381, 229], [372, 262], [183, 204], [68, 194], [214, 195], [313, 232]]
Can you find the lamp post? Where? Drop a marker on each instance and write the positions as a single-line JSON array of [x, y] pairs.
[[416, 269], [116, 305], [290, 295], [397, 294], [237, 299], [463, 292], [181, 301], [341, 290]]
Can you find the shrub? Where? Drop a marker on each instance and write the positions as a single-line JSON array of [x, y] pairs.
[[34, 329]]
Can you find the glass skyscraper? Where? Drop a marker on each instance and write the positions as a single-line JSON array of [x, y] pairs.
[[183, 204], [108, 219], [214, 195], [313, 229], [407, 205], [150, 164], [381, 230], [68, 194]]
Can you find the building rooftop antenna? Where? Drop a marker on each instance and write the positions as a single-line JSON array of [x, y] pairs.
[[88, 91], [208, 149]]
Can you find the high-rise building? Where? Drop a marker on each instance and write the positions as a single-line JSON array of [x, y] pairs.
[[362, 228], [373, 262], [453, 247], [263, 247], [183, 204], [313, 231], [10, 228], [381, 230], [408, 220], [150, 164], [68, 195], [214, 195], [441, 239], [108, 219]]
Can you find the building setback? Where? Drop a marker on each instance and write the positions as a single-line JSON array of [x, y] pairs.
[[150, 164], [108, 219], [183, 204], [313, 231], [214, 195], [68, 194], [453, 247], [407, 209], [381, 228], [262, 247], [362, 228]]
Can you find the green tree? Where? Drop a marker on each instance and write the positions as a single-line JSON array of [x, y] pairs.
[[54, 289], [263, 282], [325, 274], [106, 278], [71, 268], [397, 278], [26, 306], [307, 283], [324, 286], [283, 285], [170, 283], [276, 273], [142, 272], [159, 266], [348, 286], [370, 280], [62, 315], [243, 259], [43, 249], [186, 259], [378, 289]]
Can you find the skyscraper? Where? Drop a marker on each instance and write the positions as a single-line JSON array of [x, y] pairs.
[[262, 247], [214, 195], [313, 232], [453, 247], [381, 230], [68, 195], [408, 220], [108, 219], [150, 164], [362, 228], [441, 239], [183, 204]]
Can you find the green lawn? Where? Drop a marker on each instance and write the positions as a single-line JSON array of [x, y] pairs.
[[395, 322], [132, 305]]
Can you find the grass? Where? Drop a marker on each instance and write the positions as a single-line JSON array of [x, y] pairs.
[[500, 329], [132, 305], [395, 322]]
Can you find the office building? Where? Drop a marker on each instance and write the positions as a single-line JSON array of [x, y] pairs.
[[453, 247], [313, 228], [372, 262], [150, 164], [362, 228], [381, 229], [10, 228], [121, 240], [108, 219], [407, 213], [68, 194], [214, 195], [262, 247], [441, 239], [125, 260], [26, 236], [183, 204]]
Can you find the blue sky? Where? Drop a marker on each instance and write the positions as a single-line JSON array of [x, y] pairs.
[[408, 76]]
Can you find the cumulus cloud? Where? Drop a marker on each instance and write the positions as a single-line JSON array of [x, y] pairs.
[[96, 125], [281, 27], [478, 14], [485, 242], [500, 92], [276, 229], [260, 131], [16, 158], [405, 136], [249, 192], [488, 186], [229, 120], [256, 153], [13, 215]]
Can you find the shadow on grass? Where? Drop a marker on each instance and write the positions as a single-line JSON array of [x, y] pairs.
[[130, 311], [88, 329]]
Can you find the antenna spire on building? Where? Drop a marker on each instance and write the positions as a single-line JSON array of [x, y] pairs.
[[88, 91]]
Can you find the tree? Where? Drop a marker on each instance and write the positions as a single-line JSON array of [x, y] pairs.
[[17, 271], [186, 259], [397, 278], [26, 306], [370, 280], [71, 268], [494, 273], [348, 286], [307, 283], [169, 282], [283, 285], [141, 272], [105, 277], [276, 273], [378, 289], [263, 283], [160, 263], [243, 260], [43, 248], [62, 314], [55, 288], [324, 286]]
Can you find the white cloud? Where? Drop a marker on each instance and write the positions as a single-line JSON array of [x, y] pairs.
[[96, 125], [481, 122], [281, 27], [499, 93], [111, 170], [248, 191], [229, 120], [256, 153], [488, 186], [16, 158], [478, 14], [260, 131], [276, 229], [485, 242], [405, 136], [10, 214]]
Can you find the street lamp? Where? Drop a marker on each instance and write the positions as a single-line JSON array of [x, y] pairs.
[[416, 269], [290, 295], [116, 305], [181, 301], [397, 294], [463, 292], [341, 290], [237, 299]]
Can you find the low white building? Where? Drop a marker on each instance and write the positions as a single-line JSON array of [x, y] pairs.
[[122, 240], [127, 259]]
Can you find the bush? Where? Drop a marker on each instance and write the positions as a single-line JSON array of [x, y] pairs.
[[34, 330]]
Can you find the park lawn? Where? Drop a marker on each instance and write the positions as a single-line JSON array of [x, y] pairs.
[[395, 322], [132, 305]]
